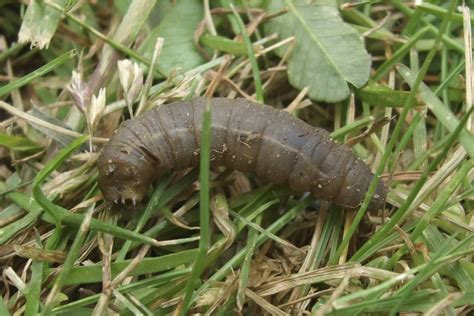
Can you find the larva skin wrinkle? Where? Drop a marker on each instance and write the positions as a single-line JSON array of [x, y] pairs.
[[246, 136]]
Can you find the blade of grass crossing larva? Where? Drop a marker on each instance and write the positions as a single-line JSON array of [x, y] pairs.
[[205, 233]]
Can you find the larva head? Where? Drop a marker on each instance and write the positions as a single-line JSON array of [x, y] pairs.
[[124, 176]]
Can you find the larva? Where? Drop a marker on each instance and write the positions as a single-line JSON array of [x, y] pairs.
[[246, 136]]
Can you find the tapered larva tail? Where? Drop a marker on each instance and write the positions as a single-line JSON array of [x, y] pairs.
[[246, 136]]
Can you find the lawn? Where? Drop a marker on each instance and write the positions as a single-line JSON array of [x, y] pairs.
[[391, 81]]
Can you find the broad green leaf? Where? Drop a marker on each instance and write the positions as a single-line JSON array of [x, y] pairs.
[[328, 54], [381, 95], [177, 28]]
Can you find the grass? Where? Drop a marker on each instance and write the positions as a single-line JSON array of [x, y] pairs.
[[217, 241]]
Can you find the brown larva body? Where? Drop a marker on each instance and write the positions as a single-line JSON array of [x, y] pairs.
[[246, 136]]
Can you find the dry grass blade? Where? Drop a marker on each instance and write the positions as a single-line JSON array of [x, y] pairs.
[[260, 301], [33, 120], [323, 275]]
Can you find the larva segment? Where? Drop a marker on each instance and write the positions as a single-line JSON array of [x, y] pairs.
[[186, 150], [280, 149], [245, 136], [304, 170]]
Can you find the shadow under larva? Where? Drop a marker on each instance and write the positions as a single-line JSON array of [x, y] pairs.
[[246, 136]]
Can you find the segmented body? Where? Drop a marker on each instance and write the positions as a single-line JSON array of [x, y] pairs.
[[246, 136]]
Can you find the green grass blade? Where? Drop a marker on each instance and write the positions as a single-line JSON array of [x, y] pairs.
[[401, 213], [245, 269], [145, 216], [408, 288], [442, 113], [3, 308], [274, 228], [394, 137], [253, 61], [72, 255], [440, 11], [436, 208], [41, 199], [385, 68], [93, 273], [75, 220], [33, 293], [162, 279], [223, 44], [37, 73], [205, 234]]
